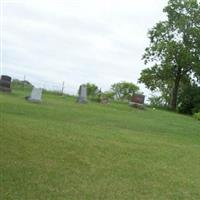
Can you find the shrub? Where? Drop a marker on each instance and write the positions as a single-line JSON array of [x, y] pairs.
[[124, 90], [189, 99], [18, 84], [197, 116], [109, 95]]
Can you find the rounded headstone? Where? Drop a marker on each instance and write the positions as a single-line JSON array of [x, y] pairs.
[[5, 83]]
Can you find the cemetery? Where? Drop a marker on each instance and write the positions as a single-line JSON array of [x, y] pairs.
[[113, 150], [100, 100]]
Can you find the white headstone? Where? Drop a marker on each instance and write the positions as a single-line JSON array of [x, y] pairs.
[[82, 94], [36, 95]]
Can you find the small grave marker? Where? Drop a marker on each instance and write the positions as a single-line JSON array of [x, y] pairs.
[[82, 98], [36, 95]]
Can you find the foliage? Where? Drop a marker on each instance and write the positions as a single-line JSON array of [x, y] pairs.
[[157, 101], [93, 92], [109, 95], [189, 100], [92, 89], [21, 84], [124, 90], [55, 92], [197, 116], [174, 50]]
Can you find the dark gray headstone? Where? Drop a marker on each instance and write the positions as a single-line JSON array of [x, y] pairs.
[[5, 83]]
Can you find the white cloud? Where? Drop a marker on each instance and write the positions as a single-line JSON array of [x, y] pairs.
[[77, 41]]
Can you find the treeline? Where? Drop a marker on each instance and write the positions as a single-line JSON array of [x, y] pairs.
[[121, 91], [21, 84]]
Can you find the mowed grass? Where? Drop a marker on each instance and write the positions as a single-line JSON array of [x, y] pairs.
[[60, 149]]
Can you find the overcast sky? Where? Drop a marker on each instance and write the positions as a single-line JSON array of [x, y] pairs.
[[77, 41]]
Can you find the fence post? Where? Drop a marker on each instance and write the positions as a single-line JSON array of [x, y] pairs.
[[24, 82], [63, 86]]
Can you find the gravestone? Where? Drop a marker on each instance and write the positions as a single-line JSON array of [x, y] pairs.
[[104, 100], [137, 101], [36, 95], [138, 98], [82, 98], [5, 83]]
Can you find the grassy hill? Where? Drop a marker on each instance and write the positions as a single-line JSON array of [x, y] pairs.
[[63, 150]]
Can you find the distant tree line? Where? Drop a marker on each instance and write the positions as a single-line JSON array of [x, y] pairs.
[[121, 91], [21, 84]]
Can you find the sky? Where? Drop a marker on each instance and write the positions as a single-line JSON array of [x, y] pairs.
[[76, 41]]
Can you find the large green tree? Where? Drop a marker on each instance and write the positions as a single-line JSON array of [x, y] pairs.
[[92, 89], [124, 90], [174, 50]]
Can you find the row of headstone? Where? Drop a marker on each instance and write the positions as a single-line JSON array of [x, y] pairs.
[[36, 95], [136, 100]]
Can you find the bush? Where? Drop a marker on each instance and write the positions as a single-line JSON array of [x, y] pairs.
[[124, 90], [18, 84], [189, 99], [157, 102], [109, 95], [93, 92], [197, 116], [96, 98]]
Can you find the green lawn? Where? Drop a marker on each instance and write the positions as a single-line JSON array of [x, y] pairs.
[[62, 150]]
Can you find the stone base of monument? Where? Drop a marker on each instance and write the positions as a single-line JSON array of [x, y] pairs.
[[137, 105], [5, 89]]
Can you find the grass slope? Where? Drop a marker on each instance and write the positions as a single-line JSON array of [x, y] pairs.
[[62, 150]]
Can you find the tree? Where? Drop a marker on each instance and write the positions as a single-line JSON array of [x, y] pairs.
[[174, 50], [108, 94], [124, 90], [93, 92], [189, 100], [92, 89], [157, 101]]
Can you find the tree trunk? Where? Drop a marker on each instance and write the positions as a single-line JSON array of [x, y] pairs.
[[175, 91]]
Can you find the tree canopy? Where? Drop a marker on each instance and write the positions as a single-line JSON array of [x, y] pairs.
[[174, 50], [124, 90]]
